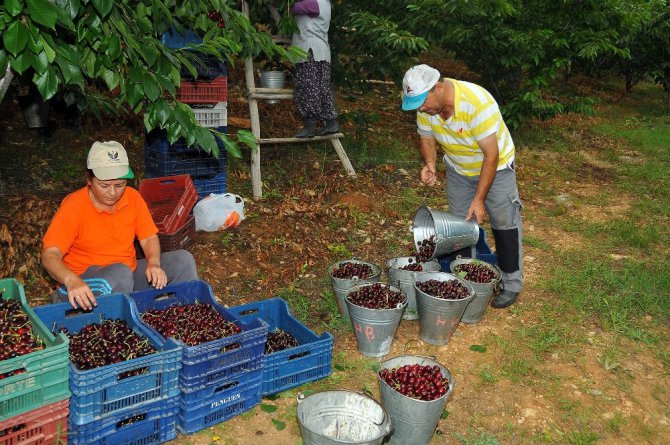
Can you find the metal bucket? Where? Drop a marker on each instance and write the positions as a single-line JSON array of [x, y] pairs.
[[341, 417], [273, 79], [342, 285], [439, 317], [375, 328], [413, 420], [404, 279], [484, 291], [450, 232]]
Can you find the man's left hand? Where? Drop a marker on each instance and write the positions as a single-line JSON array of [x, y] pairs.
[[156, 276], [477, 210]]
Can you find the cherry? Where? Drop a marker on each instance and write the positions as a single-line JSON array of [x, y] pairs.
[[416, 381], [448, 290]]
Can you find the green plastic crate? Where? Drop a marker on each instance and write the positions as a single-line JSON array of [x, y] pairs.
[[46, 376]]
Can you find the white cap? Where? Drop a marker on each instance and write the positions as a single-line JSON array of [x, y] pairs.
[[109, 160], [416, 84]]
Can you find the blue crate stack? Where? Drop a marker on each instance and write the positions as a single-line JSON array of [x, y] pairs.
[[164, 159]]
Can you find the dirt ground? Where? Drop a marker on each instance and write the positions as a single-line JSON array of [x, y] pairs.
[[311, 211]]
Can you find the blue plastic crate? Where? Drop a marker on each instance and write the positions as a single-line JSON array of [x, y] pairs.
[[217, 184], [210, 68], [483, 252], [101, 392], [156, 142], [217, 403], [172, 39], [282, 370], [212, 362], [198, 165], [151, 424]]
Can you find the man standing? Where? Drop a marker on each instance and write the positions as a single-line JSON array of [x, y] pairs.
[[464, 119], [89, 245]]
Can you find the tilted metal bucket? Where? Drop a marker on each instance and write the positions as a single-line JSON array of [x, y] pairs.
[[413, 420], [404, 279], [374, 328], [342, 417], [342, 285], [273, 79], [475, 310], [439, 317], [450, 232]]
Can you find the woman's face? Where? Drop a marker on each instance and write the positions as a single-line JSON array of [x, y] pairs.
[[107, 192]]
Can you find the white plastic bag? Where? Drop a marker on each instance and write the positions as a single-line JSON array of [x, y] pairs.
[[219, 212]]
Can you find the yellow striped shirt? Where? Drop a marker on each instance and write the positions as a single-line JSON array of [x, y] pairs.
[[476, 116]]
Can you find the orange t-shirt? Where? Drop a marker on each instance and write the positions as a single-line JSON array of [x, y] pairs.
[[89, 237]]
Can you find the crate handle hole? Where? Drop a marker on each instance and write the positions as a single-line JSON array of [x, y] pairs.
[[76, 312], [164, 296], [226, 386], [248, 312], [11, 373], [133, 372], [298, 355], [131, 420], [168, 181], [229, 347]]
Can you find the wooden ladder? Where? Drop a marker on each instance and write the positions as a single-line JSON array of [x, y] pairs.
[[254, 94]]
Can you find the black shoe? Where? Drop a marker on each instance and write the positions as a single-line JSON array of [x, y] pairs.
[[308, 130], [504, 299], [330, 127]]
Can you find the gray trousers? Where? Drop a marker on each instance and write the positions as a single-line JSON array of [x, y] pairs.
[[179, 265], [503, 206]]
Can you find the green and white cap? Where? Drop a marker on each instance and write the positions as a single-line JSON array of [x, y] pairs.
[[109, 160]]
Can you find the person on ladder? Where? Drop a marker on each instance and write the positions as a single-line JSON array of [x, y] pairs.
[[312, 91]]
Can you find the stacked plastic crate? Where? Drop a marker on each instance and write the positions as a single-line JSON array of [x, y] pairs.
[[207, 95], [219, 379], [132, 401], [34, 394], [170, 200]]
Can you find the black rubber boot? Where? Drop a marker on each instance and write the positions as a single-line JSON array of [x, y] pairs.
[[308, 130], [329, 127]]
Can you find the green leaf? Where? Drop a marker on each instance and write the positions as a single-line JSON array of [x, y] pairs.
[[51, 54], [103, 6], [248, 139], [253, 140], [444, 415], [478, 348], [15, 38], [151, 87], [43, 12], [134, 94], [71, 7], [40, 62], [21, 62], [279, 424], [136, 75], [111, 78], [13, 7], [162, 111], [47, 83], [268, 408], [114, 47]]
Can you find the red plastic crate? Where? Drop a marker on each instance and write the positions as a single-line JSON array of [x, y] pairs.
[[183, 238], [42, 426], [200, 92], [170, 200]]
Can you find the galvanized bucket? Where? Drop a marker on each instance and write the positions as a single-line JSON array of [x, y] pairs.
[[414, 420], [438, 317], [341, 417], [342, 285], [450, 232], [273, 79], [375, 328], [484, 291], [404, 279]]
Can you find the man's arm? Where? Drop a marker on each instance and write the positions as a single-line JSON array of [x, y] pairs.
[[78, 292], [489, 147], [152, 251], [428, 150]]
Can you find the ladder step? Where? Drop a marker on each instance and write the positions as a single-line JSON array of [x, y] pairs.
[[290, 140], [271, 90], [270, 96]]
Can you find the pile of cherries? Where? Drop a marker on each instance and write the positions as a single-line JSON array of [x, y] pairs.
[[376, 296], [426, 249], [348, 270], [416, 381], [278, 340], [447, 290], [412, 265], [215, 16], [192, 324], [111, 341], [475, 272], [16, 334]]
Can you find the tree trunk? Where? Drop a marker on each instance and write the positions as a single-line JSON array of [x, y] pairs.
[[5, 81]]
